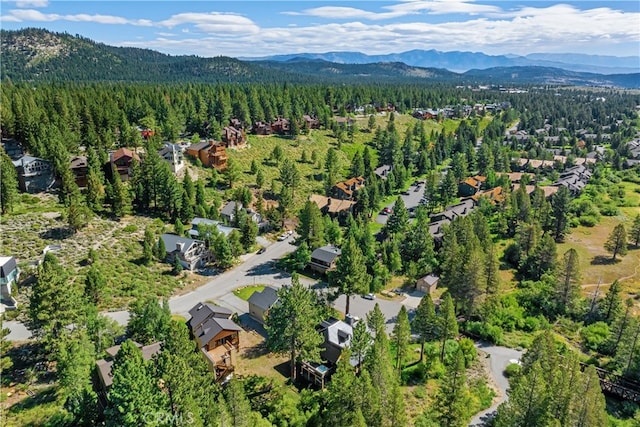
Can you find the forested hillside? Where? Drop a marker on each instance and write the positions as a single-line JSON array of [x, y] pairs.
[[40, 55]]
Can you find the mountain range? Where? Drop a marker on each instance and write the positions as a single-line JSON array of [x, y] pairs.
[[40, 55], [461, 62]]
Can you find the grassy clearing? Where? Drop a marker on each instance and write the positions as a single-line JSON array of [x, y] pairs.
[[246, 292]]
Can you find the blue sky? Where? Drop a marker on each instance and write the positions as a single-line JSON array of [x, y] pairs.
[[259, 28]]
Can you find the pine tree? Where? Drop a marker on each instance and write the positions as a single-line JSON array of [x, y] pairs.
[[401, 337], [8, 183], [568, 287], [260, 178], [399, 219], [350, 275], [634, 234], [149, 320], [376, 321], [342, 400], [453, 398], [134, 393], [147, 246], [160, 250], [291, 324], [5, 345], [360, 341], [590, 408], [120, 204], [311, 226], [238, 404], [611, 305], [233, 172], [94, 284], [51, 310], [617, 241], [425, 322], [560, 213], [75, 363], [447, 322]]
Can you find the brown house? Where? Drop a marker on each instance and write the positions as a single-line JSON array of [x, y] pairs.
[[346, 190], [212, 154], [233, 137], [427, 284], [311, 122], [495, 196], [80, 166], [121, 161], [471, 185], [281, 125], [261, 128], [334, 207], [218, 337]]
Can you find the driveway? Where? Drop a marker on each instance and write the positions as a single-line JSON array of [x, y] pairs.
[[499, 359], [411, 200]]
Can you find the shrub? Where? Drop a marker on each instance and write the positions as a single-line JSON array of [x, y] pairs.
[[531, 324], [130, 228], [588, 220], [512, 370], [609, 209], [595, 335], [489, 332]]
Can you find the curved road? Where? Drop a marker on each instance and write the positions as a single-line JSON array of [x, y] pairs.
[[500, 358]]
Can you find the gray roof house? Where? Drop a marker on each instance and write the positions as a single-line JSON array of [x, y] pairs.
[[463, 208], [9, 274], [427, 284], [192, 253], [574, 178], [324, 259], [173, 155], [218, 337], [261, 302], [34, 174], [105, 365], [228, 211]]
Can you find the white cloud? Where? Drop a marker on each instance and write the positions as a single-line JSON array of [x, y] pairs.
[[22, 15], [32, 3], [213, 23]]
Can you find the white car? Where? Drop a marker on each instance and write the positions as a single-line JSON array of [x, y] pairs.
[[369, 296], [282, 237]]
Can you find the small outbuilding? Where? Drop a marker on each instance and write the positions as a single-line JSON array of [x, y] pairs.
[[261, 302], [427, 284]]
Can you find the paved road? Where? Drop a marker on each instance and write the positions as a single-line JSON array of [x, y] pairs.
[[255, 269], [411, 200], [500, 358]]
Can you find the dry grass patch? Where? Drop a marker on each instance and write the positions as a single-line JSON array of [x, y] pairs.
[[255, 359]]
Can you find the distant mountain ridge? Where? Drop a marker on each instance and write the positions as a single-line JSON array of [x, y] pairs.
[[35, 55], [461, 62]]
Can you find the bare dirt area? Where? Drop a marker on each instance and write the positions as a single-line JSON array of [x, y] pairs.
[[255, 359], [596, 265]]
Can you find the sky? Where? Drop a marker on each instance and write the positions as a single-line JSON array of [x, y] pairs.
[[261, 28]]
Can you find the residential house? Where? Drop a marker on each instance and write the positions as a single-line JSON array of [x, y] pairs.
[[229, 210], [13, 148], [105, 365], [574, 178], [516, 177], [324, 259], [383, 171], [80, 168], [172, 154], [9, 275], [121, 161], [310, 122], [191, 253], [463, 208], [34, 174], [281, 126], [346, 190], [261, 128], [344, 122], [261, 302], [471, 185], [331, 206], [496, 196], [211, 154], [548, 190], [196, 222], [436, 230], [233, 137], [427, 284], [337, 336], [218, 337]]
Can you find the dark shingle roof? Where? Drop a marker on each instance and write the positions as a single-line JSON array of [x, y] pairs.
[[264, 299], [202, 311], [326, 253]]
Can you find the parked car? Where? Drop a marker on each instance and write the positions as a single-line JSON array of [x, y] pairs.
[[369, 296], [261, 251], [405, 193], [386, 211], [283, 237], [417, 189]]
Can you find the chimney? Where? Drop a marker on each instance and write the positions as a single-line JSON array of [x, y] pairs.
[[179, 246]]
